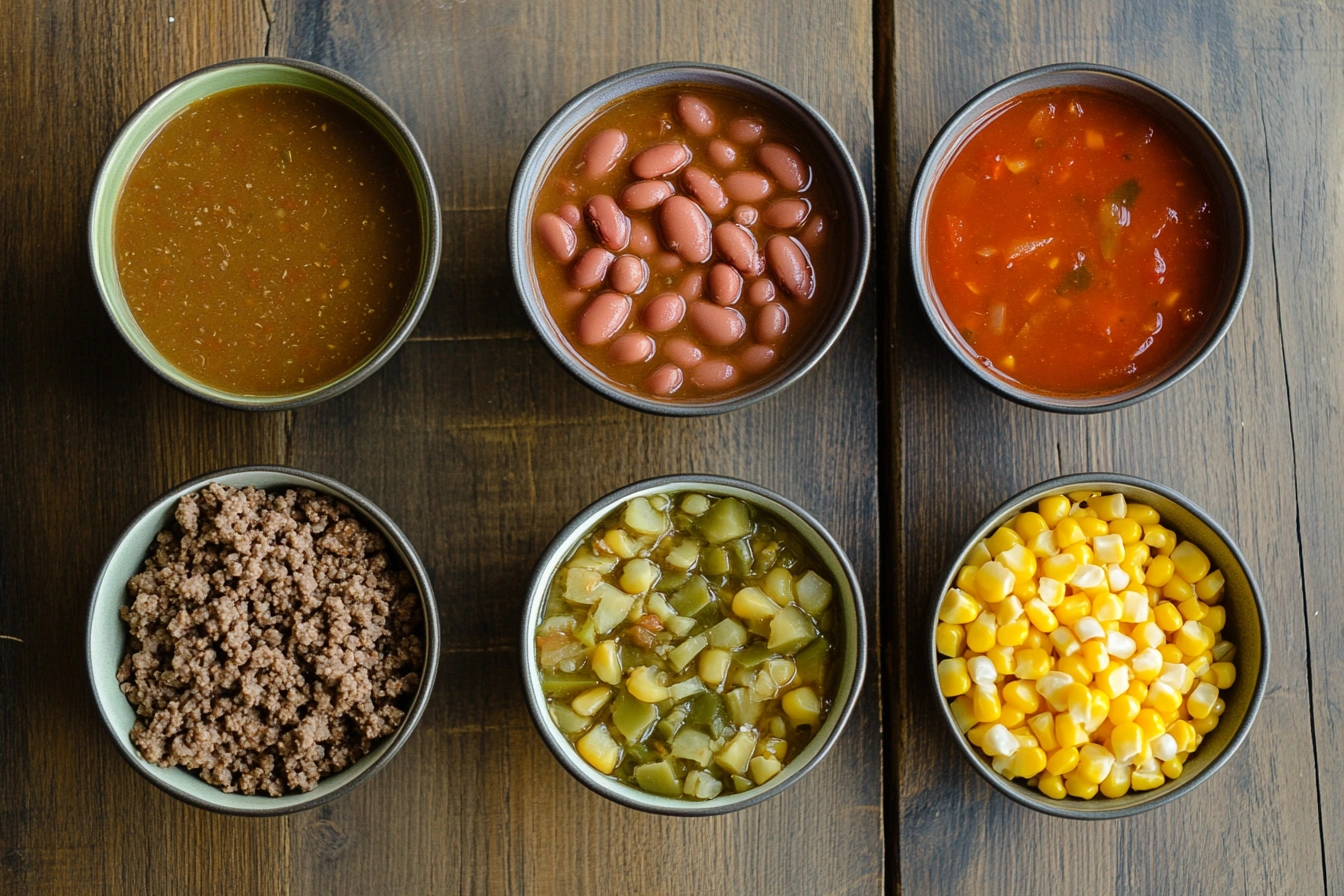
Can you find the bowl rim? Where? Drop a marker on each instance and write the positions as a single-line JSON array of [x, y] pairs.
[[417, 301], [1073, 809], [552, 133], [372, 513], [944, 142], [537, 590]]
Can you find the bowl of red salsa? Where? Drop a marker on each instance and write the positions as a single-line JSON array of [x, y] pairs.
[[1080, 237]]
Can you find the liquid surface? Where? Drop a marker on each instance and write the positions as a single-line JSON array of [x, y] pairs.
[[267, 240], [1074, 243]]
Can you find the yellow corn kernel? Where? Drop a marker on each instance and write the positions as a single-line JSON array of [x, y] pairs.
[[1093, 528], [1029, 524], [1193, 608], [1102, 732], [1002, 539], [713, 666], [1082, 552], [985, 704], [1107, 607], [1177, 590], [1113, 681], [1002, 658], [1053, 509], [1216, 619], [599, 749], [606, 662], [1052, 786], [1010, 717], [1145, 778], [1095, 656], [1035, 638], [1008, 609], [1078, 699], [1042, 725], [1124, 708], [1014, 633], [1108, 548], [1129, 531], [953, 679], [1224, 652], [1019, 561], [1159, 538], [590, 701], [1193, 638], [1192, 564], [1108, 507], [1062, 761], [1201, 665], [1025, 589], [1201, 701], [979, 554], [981, 632], [950, 639], [1225, 675], [1076, 786], [1041, 616], [1159, 572], [1163, 697], [1069, 732], [1094, 763], [1068, 532], [1148, 634], [1134, 570], [1139, 554], [966, 578], [1205, 725], [958, 607], [1021, 695], [961, 712], [1184, 734], [1031, 664], [1167, 616], [994, 581], [1076, 668], [1172, 768], [1043, 545], [1060, 567], [1081, 495], [1142, 514], [1171, 653], [976, 733], [1117, 782], [1027, 762], [1210, 588], [1073, 608], [1138, 690], [1152, 723], [643, 685], [1099, 707]]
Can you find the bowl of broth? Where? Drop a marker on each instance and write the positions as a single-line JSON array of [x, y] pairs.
[[688, 238], [264, 233], [1080, 237]]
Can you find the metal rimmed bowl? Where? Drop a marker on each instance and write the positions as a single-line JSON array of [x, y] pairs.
[[106, 639], [1247, 627], [854, 648], [141, 128], [557, 135], [1193, 131]]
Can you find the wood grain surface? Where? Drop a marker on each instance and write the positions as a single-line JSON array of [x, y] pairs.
[[481, 447]]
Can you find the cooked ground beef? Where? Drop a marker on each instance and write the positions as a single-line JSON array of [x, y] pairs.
[[271, 642]]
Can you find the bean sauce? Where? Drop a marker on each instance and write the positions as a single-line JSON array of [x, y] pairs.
[[696, 231]]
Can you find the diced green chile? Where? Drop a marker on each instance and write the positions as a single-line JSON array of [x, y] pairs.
[[556, 683], [727, 520], [693, 597]]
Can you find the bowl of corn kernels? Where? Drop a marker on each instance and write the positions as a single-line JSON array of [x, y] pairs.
[[1100, 646]]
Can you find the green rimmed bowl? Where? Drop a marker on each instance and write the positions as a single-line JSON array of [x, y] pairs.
[[106, 636], [146, 123]]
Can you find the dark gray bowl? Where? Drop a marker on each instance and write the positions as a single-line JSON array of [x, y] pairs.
[[1193, 130], [106, 644], [849, 599], [1247, 627], [556, 135]]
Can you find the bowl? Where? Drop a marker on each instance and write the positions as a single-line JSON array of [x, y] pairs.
[[855, 647], [557, 134], [144, 125], [106, 638], [1194, 131], [1247, 627]]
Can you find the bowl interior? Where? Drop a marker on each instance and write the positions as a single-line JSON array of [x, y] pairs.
[[146, 123], [107, 637], [1191, 130], [558, 134], [851, 676], [1245, 628]]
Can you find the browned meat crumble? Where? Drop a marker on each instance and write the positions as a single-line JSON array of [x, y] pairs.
[[271, 642]]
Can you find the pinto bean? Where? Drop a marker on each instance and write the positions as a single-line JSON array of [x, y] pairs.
[[815, 232], [665, 380], [643, 195], [663, 313], [747, 186], [643, 240], [696, 115], [704, 189], [745, 215], [660, 160], [745, 130], [787, 214], [571, 213], [685, 229], [557, 236], [608, 223], [757, 359], [761, 292], [771, 323], [722, 153], [632, 348], [683, 352], [737, 246], [603, 152], [789, 261], [716, 325], [591, 268], [725, 284], [629, 274], [692, 286], [603, 318], [785, 165], [714, 375]]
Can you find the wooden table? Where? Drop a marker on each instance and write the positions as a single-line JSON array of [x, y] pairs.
[[476, 441]]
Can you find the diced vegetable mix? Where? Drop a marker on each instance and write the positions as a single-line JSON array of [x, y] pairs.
[[687, 646], [1084, 647]]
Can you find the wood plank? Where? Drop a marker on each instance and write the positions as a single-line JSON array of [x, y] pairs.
[[88, 435], [1221, 436], [478, 443], [1298, 91]]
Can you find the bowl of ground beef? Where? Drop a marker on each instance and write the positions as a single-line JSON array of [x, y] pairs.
[[261, 640]]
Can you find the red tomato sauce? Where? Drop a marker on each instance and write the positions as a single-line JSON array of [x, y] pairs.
[[1074, 243]]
